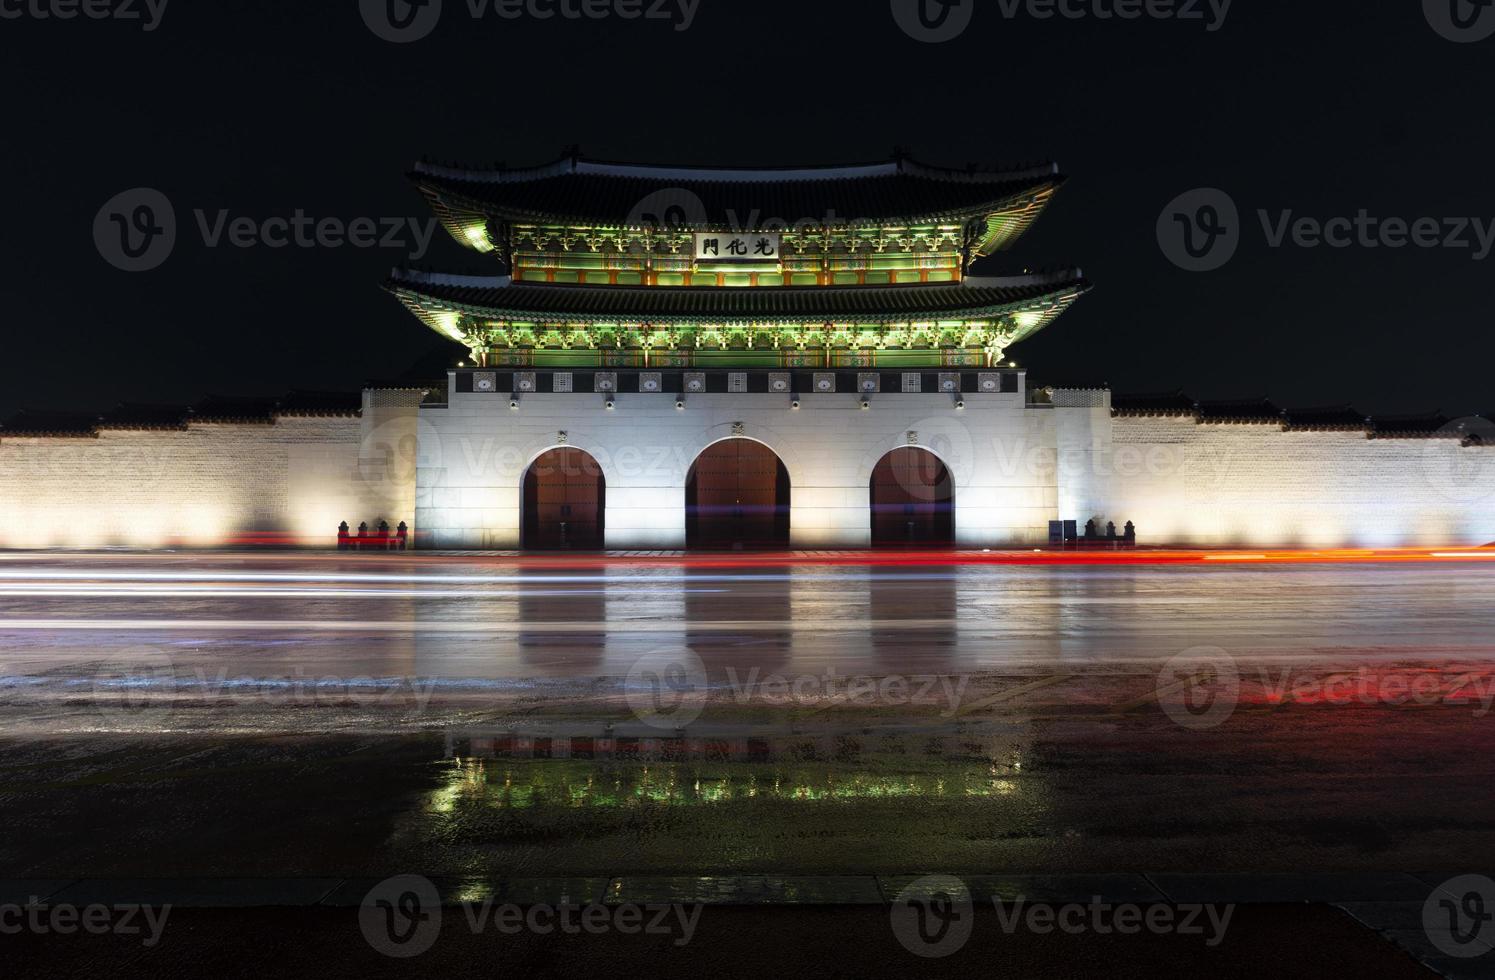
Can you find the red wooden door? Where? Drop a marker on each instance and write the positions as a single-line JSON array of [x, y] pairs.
[[913, 500], [565, 500], [737, 496]]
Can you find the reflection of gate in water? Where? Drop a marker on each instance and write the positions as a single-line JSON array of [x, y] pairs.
[[569, 620]]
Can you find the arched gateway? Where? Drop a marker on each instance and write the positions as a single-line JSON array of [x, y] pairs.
[[913, 500], [737, 497], [565, 502], [831, 340]]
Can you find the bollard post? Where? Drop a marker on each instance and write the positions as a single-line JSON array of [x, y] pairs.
[[342, 536], [363, 534], [1131, 535], [383, 535], [402, 537]]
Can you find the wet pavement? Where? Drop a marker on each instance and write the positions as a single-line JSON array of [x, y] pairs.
[[822, 942], [673, 725]]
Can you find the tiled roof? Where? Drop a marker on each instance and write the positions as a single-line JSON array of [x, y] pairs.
[[214, 408], [1171, 404], [583, 191], [1337, 418], [1341, 418], [320, 404], [500, 298], [51, 424], [217, 408], [1434, 425], [138, 416], [1239, 412]]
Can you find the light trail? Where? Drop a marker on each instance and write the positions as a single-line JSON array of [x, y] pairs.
[[806, 559], [502, 629], [810, 625], [72, 592], [1012, 598], [8, 576]]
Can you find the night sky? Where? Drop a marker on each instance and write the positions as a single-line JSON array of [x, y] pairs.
[[265, 107]]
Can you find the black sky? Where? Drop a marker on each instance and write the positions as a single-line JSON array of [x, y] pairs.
[[269, 106]]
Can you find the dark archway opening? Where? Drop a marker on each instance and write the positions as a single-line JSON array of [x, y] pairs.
[[913, 500], [565, 503], [737, 498]]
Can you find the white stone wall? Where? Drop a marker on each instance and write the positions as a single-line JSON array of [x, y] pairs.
[[1218, 485], [390, 438], [456, 474], [472, 469], [210, 486], [1083, 435]]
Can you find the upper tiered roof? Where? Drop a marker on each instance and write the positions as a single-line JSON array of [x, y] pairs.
[[579, 192]]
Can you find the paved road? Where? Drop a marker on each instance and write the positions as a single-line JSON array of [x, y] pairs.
[[295, 715], [820, 942], [497, 720], [505, 620]]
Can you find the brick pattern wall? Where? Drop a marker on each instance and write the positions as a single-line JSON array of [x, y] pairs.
[[1255, 485], [206, 487], [455, 473], [1081, 398], [391, 436]]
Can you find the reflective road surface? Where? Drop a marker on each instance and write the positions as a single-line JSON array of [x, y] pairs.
[[182, 714]]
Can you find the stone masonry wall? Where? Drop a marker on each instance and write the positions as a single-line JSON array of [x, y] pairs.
[[210, 486], [455, 473], [1218, 485], [474, 455]]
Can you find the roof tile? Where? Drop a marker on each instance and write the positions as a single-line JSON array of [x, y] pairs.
[[878, 304]]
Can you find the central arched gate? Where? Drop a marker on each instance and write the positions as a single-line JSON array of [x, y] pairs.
[[737, 497]]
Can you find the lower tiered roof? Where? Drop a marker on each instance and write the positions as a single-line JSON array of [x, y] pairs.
[[499, 297], [445, 301]]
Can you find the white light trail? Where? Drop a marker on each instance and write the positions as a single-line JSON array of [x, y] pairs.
[[165, 592]]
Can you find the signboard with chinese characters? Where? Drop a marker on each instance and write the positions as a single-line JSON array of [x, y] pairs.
[[731, 246]]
